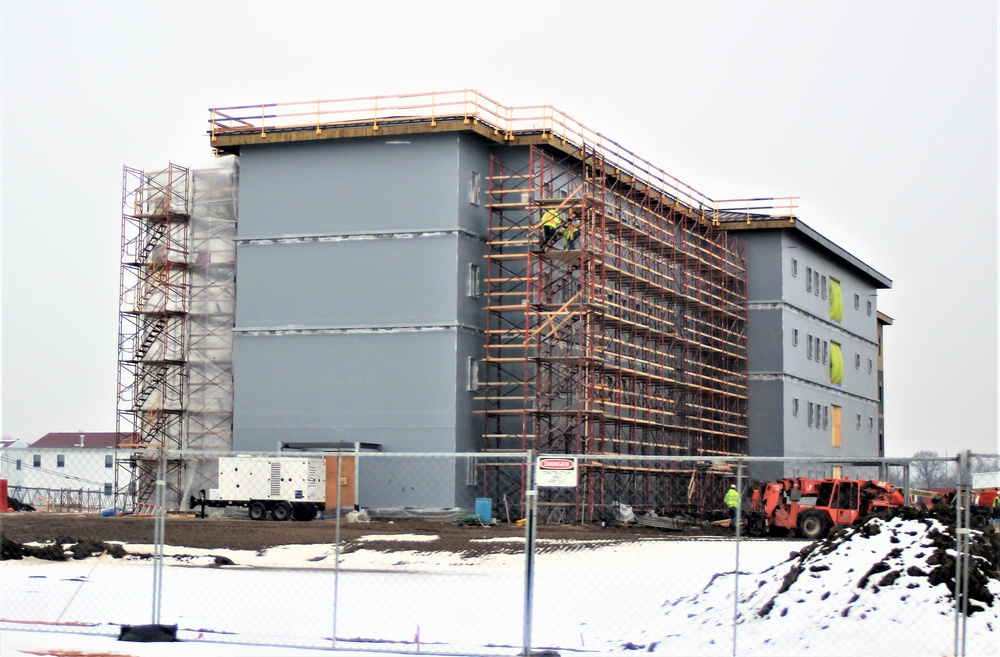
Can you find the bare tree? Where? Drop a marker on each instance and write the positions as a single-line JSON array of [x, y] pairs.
[[985, 464], [927, 473]]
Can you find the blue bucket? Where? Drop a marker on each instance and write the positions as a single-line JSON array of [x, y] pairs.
[[108, 512], [484, 509]]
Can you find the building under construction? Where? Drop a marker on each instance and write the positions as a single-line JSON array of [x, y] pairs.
[[395, 278]]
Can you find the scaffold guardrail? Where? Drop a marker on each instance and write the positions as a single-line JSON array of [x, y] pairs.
[[507, 122]]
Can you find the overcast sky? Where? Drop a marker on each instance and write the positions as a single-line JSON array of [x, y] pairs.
[[881, 116]]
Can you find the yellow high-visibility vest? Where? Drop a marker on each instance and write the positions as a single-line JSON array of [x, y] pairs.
[[551, 219]]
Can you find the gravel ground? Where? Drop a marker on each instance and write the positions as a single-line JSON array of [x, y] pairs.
[[243, 534]]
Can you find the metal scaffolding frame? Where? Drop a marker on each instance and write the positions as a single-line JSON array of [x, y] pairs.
[[176, 317], [152, 328], [633, 342]]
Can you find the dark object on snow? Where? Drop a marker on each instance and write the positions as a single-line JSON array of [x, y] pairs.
[[10, 550], [18, 505], [148, 633]]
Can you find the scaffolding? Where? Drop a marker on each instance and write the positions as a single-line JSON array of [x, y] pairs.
[[176, 312], [630, 342]]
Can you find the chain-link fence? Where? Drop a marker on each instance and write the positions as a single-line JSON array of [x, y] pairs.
[[511, 553]]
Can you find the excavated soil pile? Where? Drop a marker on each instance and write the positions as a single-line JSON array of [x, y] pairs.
[[881, 576], [928, 554]]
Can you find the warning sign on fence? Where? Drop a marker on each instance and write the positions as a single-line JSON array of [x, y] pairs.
[[556, 472]]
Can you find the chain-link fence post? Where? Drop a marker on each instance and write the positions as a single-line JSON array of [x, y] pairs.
[[159, 531], [336, 538], [530, 534], [736, 570], [963, 509]]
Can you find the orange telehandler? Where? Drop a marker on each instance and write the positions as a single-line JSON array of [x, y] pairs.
[[811, 507]]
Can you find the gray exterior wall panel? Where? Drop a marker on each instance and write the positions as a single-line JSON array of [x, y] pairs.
[[396, 389], [347, 283], [764, 328], [349, 186]]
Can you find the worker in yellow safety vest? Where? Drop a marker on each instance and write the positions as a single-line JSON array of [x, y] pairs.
[[550, 225], [732, 501]]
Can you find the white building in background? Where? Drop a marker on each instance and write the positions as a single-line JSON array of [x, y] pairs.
[[986, 480], [10, 455], [62, 471]]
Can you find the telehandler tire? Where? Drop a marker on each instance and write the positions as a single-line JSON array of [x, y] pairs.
[[813, 525]]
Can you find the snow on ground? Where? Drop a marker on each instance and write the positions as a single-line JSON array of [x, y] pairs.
[[873, 591]]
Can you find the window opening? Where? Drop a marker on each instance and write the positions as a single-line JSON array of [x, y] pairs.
[[475, 187], [475, 288]]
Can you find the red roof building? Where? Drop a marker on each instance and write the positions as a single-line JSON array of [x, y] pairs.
[[78, 439]]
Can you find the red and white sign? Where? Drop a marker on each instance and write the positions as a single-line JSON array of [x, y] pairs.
[[556, 472]]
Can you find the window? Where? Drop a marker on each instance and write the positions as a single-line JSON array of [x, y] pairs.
[[474, 286], [836, 364], [857, 301], [109, 461], [473, 383], [857, 361], [795, 337], [472, 472], [810, 420], [809, 349], [871, 424], [836, 301], [17, 464], [822, 288], [109, 489], [826, 417], [870, 365], [869, 308], [816, 283], [36, 460], [858, 425], [60, 460], [824, 351], [809, 279], [795, 406], [837, 471], [795, 267], [475, 188]]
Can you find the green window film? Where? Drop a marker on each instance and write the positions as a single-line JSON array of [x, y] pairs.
[[836, 364], [836, 301]]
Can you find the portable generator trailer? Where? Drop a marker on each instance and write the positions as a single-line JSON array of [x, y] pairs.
[[282, 488]]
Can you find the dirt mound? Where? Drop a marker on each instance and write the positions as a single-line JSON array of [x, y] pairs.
[[62, 548], [921, 546], [887, 573]]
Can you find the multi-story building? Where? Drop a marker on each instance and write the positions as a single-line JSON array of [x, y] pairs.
[[815, 351], [392, 288]]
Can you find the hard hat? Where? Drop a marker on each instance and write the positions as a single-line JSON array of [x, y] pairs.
[[732, 485]]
